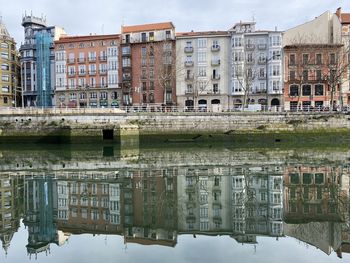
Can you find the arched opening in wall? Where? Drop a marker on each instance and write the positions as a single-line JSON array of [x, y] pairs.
[[215, 104], [275, 102], [202, 105], [189, 104]]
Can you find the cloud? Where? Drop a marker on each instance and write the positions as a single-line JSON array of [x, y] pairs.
[[81, 17]]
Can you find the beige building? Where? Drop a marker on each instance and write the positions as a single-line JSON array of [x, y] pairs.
[[9, 70], [202, 75]]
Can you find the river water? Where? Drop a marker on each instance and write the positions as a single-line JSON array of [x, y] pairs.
[[177, 203]]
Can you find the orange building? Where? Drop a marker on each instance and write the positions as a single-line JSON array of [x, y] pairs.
[[87, 71], [148, 64]]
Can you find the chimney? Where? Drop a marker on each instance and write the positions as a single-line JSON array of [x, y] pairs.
[[338, 12]]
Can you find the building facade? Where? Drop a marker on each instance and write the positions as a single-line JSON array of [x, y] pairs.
[[9, 70], [148, 64], [87, 71], [37, 61], [345, 31], [256, 66], [314, 65], [202, 69]]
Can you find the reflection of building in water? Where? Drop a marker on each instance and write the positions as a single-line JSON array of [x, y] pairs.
[[257, 202], [11, 194], [89, 203], [40, 206], [241, 202], [316, 205], [153, 204]]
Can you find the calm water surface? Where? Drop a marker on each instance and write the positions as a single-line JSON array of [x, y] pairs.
[[174, 204]]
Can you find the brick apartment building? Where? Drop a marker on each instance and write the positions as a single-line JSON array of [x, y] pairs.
[[311, 72], [87, 71], [148, 64]]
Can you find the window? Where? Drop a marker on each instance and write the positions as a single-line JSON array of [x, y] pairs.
[[5, 78], [276, 85], [276, 70], [318, 74], [4, 45], [276, 55], [294, 90], [151, 36], [275, 41], [216, 88], [292, 59], [126, 50], [5, 66], [202, 43], [143, 52], [143, 37], [292, 75], [332, 58], [127, 38], [305, 74], [261, 72], [306, 90], [202, 57], [319, 90], [93, 95], [5, 100], [237, 41], [305, 59], [202, 71], [318, 59], [168, 34]]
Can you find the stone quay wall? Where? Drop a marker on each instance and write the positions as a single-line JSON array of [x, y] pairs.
[[71, 124]]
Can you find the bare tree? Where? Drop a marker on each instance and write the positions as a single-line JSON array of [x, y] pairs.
[[335, 74]]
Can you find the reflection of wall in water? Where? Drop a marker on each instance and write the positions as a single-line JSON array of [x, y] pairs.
[[315, 194], [40, 204], [11, 207], [154, 207], [89, 203]]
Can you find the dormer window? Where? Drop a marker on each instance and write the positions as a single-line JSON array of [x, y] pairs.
[[151, 36], [167, 34], [143, 37]]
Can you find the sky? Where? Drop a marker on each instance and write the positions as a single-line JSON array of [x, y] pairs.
[[82, 17]]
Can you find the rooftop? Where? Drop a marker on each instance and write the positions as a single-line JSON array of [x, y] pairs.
[[70, 39], [202, 33], [345, 18], [147, 27]]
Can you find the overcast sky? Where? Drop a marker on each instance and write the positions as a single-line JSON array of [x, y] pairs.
[[81, 17]]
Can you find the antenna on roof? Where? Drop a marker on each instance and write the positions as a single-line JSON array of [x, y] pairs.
[[253, 17], [102, 28]]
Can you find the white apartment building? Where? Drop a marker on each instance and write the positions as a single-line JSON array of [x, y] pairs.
[[256, 66], [202, 70]]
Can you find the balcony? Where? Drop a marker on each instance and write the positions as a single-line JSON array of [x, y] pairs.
[[215, 62], [126, 78], [70, 61], [189, 77], [92, 59], [262, 46], [189, 64], [103, 58], [82, 73], [81, 60], [92, 72], [251, 61], [215, 48], [262, 77], [262, 61], [215, 76], [189, 91], [71, 74], [103, 72], [188, 49]]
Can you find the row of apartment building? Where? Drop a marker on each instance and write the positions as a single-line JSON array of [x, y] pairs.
[[151, 64]]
